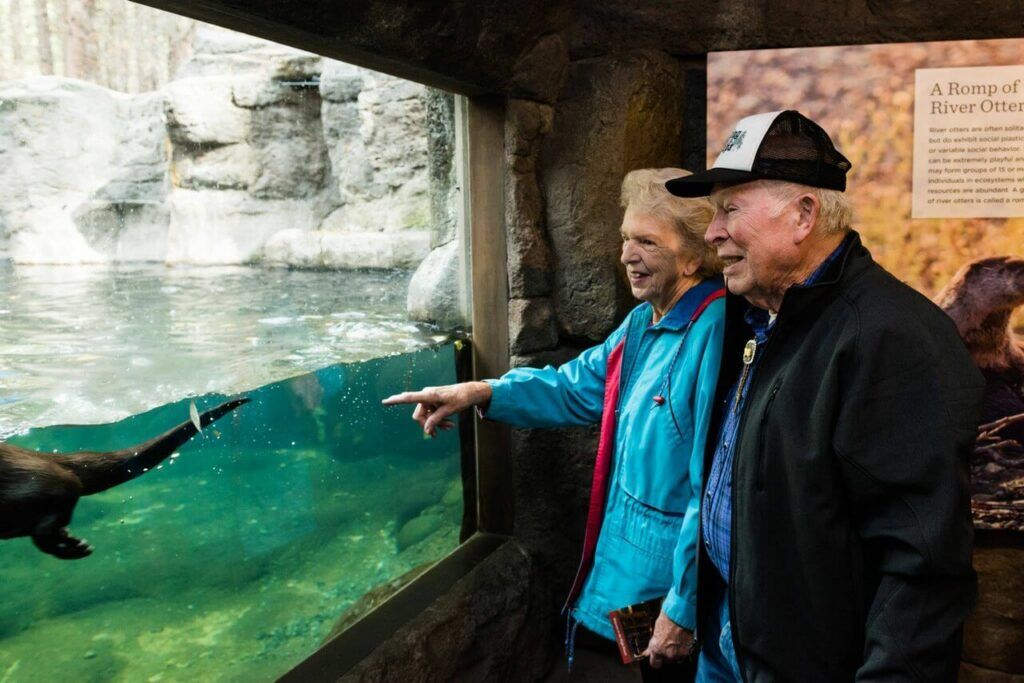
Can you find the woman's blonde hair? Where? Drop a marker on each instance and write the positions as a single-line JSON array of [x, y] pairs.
[[644, 190]]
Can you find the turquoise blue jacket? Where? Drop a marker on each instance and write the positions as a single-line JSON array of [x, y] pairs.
[[647, 546]]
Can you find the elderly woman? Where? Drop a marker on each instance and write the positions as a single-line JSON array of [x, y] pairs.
[[650, 386]]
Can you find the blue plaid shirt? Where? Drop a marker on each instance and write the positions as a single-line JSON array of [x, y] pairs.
[[716, 508]]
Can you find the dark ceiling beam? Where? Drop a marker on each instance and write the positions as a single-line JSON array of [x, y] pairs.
[[479, 46], [464, 46]]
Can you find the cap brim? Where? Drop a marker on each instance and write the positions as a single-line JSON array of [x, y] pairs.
[[701, 184]]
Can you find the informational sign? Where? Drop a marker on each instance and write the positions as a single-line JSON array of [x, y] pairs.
[[969, 142]]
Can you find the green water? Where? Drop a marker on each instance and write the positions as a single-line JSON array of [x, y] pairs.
[[233, 560]]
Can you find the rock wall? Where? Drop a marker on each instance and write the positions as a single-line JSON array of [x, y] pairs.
[[496, 604], [83, 172], [255, 153]]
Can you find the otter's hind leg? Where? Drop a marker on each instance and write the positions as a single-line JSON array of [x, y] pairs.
[[49, 531], [52, 537]]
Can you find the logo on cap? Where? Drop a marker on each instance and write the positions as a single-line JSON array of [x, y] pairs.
[[735, 140]]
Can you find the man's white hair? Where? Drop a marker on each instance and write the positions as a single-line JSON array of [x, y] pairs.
[[835, 215]]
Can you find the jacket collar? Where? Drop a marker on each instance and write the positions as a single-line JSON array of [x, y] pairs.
[[802, 299], [854, 260], [682, 313]]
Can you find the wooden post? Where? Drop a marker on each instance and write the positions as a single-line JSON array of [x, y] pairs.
[[481, 124]]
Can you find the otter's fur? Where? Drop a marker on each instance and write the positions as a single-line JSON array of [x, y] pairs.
[[980, 299], [38, 491]]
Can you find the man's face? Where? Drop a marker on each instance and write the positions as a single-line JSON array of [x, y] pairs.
[[657, 264], [756, 241]]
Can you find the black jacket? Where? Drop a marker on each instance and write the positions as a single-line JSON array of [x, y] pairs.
[[851, 530]]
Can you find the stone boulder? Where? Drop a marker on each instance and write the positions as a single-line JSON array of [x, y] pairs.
[[297, 248], [124, 231], [436, 292], [340, 82], [385, 214], [141, 174], [249, 157], [201, 112]]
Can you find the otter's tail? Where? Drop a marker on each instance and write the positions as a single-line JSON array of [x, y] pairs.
[[101, 471]]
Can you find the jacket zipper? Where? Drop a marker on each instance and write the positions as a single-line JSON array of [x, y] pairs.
[[761, 460], [749, 350]]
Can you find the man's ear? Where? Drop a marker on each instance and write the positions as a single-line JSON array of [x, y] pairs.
[[808, 208]]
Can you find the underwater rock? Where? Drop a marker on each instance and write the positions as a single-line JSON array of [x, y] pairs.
[[453, 496], [434, 290], [373, 598], [418, 529]]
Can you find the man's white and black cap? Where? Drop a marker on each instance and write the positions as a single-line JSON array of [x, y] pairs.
[[778, 145]]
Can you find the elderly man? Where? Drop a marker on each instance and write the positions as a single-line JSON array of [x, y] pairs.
[[835, 515]]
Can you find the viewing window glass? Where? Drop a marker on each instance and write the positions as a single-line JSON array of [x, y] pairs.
[[192, 215]]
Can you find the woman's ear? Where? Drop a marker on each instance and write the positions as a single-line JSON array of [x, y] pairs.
[[692, 266]]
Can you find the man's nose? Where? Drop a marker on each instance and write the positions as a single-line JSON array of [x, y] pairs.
[[716, 232]]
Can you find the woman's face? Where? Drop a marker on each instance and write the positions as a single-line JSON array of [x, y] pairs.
[[658, 265]]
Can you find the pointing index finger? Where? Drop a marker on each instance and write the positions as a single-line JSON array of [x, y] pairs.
[[407, 397]]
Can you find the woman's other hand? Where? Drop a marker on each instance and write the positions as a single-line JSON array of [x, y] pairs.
[[435, 404], [669, 642]]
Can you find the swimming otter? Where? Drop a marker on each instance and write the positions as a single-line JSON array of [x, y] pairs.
[[38, 491], [980, 299]]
